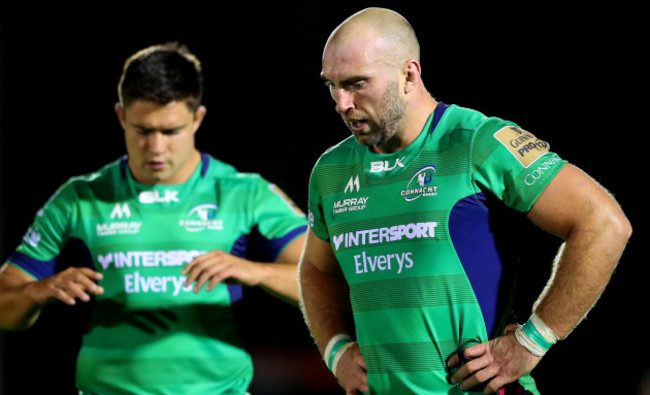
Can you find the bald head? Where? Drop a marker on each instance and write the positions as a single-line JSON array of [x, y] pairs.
[[381, 30], [372, 69]]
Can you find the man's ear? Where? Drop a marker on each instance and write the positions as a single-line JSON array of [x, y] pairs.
[[119, 110], [199, 114], [412, 73]]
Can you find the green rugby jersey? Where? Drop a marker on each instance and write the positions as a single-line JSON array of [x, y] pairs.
[[411, 234], [148, 333]]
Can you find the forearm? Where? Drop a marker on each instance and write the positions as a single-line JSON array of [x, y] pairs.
[[325, 303], [17, 309], [280, 279], [582, 270], [22, 298]]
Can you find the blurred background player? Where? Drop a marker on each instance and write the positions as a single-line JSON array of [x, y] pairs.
[[163, 235], [401, 269]]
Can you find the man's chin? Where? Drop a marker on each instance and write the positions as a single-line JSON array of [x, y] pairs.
[[367, 139], [154, 178]]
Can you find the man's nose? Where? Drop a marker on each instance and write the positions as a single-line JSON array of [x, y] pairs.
[[156, 142], [344, 101]]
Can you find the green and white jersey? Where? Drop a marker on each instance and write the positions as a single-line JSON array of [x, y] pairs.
[[148, 332], [411, 234]]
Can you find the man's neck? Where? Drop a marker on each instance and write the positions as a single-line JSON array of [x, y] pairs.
[[414, 121]]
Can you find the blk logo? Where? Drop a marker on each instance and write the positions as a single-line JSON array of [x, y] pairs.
[[156, 197], [384, 165]]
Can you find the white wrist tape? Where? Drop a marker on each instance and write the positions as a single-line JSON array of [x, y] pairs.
[[338, 355], [536, 336], [543, 329], [333, 346], [528, 343]]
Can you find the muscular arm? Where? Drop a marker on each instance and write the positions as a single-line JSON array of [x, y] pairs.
[[577, 209], [22, 298], [595, 231], [279, 278], [324, 293], [325, 302]]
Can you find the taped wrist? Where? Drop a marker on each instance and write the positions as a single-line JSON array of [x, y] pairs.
[[335, 348], [535, 336]]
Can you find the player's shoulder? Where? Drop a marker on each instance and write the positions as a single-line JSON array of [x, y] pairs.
[[101, 179], [225, 173], [345, 152], [458, 118], [216, 168]]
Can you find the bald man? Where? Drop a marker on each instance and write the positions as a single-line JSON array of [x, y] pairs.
[[400, 274]]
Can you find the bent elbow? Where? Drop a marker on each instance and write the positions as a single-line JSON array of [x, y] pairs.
[[620, 227]]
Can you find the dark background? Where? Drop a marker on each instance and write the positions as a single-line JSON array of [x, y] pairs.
[[572, 77]]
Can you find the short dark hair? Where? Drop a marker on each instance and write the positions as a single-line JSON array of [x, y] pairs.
[[162, 74]]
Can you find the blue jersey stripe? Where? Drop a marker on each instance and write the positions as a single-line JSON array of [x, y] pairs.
[[263, 249], [475, 245], [437, 114], [240, 246], [238, 249], [124, 160], [74, 254], [273, 247], [205, 164], [38, 269]]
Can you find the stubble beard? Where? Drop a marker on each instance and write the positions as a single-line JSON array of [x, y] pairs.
[[390, 113]]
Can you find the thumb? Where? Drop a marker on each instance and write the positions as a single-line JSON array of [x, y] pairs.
[[510, 328]]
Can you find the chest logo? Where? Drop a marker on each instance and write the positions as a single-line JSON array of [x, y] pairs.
[[350, 204], [202, 217], [352, 185], [421, 184], [118, 224], [148, 197], [121, 211], [384, 165]]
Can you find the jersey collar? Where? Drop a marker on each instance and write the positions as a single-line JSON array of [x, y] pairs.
[[205, 164], [384, 165]]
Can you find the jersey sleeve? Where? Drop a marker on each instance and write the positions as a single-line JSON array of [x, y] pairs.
[[47, 235], [278, 219], [512, 163], [316, 215]]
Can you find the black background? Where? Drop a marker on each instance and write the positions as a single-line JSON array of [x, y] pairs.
[[572, 77]]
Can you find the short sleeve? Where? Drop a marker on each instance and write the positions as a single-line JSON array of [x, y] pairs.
[[512, 163], [316, 216], [277, 218], [47, 235]]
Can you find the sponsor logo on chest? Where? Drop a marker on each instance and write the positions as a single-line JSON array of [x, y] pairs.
[[365, 262], [119, 223], [351, 203], [202, 217], [421, 184], [150, 197], [384, 165], [135, 282]]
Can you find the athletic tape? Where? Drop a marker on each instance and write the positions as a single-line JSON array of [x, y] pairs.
[[528, 343], [335, 343], [532, 332], [338, 354], [543, 329], [536, 336]]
